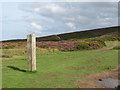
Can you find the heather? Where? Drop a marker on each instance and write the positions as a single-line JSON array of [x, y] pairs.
[[12, 45], [71, 45], [68, 45]]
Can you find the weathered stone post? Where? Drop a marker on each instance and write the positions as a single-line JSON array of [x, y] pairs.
[[31, 46]]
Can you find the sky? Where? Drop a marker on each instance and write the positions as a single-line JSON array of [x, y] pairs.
[[18, 19]]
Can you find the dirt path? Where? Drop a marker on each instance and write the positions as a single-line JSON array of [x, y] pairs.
[[104, 49], [90, 81], [109, 48]]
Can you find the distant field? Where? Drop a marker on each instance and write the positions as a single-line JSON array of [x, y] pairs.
[[56, 69]]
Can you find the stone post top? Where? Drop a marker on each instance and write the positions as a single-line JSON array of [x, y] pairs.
[[31, 34]]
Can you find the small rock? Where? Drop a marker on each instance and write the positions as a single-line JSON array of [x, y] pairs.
[[100, 79]]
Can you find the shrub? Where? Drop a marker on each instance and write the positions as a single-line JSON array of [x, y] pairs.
[[66, 46], [81, 45], [89, 45], [116, 38], [118, 86], [117, 48], [8, 45], [47, 44], [72, 45], [100, 41], [0, 46]]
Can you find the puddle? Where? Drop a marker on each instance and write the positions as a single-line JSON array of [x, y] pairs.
[[109, 82]]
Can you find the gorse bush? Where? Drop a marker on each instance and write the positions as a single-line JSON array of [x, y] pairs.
[[98, 41], [116, 38], [81, 46], [89, 44]]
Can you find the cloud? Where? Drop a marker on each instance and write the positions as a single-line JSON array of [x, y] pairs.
[[72, 16], [69, 18], [36, 26], [54, 8], [71, 25]]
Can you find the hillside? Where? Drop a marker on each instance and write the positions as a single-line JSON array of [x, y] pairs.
[[83, 34], [100, 32], [110, 34]]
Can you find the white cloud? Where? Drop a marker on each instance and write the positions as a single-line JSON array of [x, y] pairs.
[[55, 8], [45, 8], [36, 9], [71, 25], [68, 16], [35, 25]]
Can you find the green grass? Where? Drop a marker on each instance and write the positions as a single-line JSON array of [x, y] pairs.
[[56, 69], [111, 43]]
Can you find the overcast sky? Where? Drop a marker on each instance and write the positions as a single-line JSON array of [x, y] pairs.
[[20, 19]]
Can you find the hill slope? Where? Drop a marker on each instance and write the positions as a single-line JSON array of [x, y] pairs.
[[101, 32], [110, 31]]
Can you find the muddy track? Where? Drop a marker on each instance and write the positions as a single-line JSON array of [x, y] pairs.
[[90, 81]]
